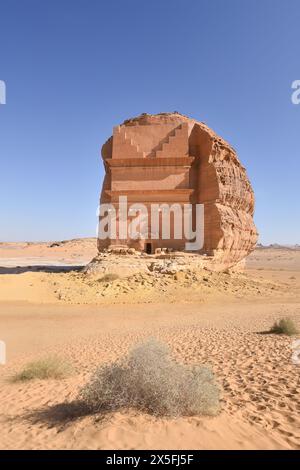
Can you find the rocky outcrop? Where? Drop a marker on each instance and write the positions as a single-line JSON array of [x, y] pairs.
[[227, 195], [168, 155]]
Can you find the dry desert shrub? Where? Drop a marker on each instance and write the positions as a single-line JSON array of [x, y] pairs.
[[285, 326], [109, 277], [48, 368], [149, 380]]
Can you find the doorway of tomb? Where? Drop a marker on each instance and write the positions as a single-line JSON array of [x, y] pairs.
[[148, 248]]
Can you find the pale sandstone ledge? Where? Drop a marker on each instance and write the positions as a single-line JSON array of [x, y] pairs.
[[126, 262]]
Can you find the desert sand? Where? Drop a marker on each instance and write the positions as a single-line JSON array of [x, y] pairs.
[[48, 307]]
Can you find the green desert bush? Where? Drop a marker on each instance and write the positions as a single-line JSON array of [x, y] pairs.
[[285, 326], [149, 380], [48, 368]]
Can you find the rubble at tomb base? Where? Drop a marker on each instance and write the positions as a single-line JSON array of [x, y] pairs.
[[141, 278], [124, 262], [170, 158]]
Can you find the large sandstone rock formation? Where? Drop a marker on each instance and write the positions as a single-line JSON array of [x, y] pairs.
[[169, 158]]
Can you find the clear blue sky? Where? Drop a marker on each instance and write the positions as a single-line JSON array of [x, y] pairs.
[[75, 68]]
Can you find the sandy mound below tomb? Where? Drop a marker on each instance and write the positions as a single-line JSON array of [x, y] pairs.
[[164, 283]]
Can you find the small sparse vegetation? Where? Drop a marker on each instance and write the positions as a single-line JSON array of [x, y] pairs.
[[109, 277], [48, 368], [285, 326], [149, 380]]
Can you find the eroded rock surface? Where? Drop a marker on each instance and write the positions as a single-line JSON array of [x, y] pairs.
[[170, 158]]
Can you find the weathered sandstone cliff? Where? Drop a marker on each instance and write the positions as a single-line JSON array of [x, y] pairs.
[[169, 158]]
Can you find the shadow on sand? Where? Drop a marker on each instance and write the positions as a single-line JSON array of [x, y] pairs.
[[64, 414], [38, 269]]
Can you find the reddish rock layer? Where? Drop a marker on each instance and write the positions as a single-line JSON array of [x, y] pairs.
[[169, 157]]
